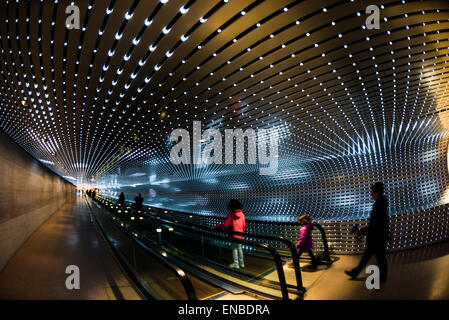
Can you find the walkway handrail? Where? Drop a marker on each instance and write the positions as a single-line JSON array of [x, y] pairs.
[[291, 246], [185, 280], [324, 239], [319, 227], [269, 248], [143, 290]]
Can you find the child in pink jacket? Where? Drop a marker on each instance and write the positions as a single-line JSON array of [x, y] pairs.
[[305, 243], [235, 221]]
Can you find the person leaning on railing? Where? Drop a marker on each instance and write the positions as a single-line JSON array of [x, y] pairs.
[[235, 221]]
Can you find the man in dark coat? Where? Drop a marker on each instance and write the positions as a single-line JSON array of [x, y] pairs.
[[377, 234], [121, 199], [139, 203]]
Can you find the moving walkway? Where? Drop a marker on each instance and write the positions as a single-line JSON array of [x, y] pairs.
[[197, 250]]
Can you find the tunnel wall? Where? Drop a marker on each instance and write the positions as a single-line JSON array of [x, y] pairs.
[[335, 192], [29, 194], [336, 188]]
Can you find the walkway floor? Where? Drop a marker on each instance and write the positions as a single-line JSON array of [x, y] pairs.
[[68, 237], [413, 274]]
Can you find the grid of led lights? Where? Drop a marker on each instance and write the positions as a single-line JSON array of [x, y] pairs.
[[351, 105], [335, 189]]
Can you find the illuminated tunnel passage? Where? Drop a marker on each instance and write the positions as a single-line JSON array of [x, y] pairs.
[[290, 106]]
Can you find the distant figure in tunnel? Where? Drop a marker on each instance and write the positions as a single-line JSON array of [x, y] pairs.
[[235, 221], [94, 194], [377, 234], [121, 199], [305, 243], [139, 202]]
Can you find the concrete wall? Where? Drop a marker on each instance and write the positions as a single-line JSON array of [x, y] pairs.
[[29, 194]]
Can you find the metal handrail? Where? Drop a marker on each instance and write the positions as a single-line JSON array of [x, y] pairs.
[[273, 251], [324, 239], [143, 290], [319, 226], [291, 246], [287, 242], [269, 248], [202, 216], [185, 280]]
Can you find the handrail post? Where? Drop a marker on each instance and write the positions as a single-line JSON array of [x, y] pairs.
[[324, 238], [281, 275], [295, 258]]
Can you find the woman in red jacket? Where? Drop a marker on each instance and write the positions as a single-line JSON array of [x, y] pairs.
[[235, 221]]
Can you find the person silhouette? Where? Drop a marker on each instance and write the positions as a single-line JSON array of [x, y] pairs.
[[121, 199], [377, 234], [139, 202]]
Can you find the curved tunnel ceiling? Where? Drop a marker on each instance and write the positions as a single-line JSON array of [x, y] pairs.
[[101, 101]]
